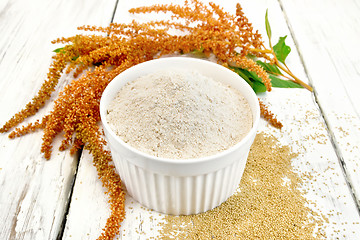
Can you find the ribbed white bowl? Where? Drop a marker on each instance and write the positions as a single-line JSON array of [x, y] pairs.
[[180, 186]]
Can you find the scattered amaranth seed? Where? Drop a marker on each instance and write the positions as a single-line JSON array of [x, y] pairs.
[[264, 207]]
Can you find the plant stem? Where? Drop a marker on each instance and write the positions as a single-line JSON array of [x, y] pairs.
[[282, 75], [297, 80], [287, 70], [260, 50]]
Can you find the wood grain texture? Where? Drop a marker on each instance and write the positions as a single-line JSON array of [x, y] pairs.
[[323, 181], [327, 36], [35, 192], [89, 209], [305, 131]]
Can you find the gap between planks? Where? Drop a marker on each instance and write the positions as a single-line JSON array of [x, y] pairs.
[[326, 121], [63, 223]]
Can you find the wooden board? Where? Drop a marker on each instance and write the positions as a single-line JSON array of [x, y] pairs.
[[305, 131], [323, 127], [327, 36], [35, 192]]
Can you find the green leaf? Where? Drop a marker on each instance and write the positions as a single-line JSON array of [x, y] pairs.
[[252, 79], [255, 77], [252, 57], [58, 50], [75, 57], [244, 74], [281, 49], [267, 25], [281, 83], [198, 53], [63, 51], [259, 87], [275, 80], [270, 68]]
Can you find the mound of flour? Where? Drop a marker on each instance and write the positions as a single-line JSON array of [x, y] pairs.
[[179, 114]]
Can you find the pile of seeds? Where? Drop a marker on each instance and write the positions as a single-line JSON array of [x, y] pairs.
[[267, 205]]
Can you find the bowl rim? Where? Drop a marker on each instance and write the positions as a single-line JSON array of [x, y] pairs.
[[181, 161]]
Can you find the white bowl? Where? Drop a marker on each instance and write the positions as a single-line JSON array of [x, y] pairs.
[[180, 186]]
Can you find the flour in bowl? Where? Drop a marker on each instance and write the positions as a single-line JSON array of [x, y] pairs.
[[179, 114]]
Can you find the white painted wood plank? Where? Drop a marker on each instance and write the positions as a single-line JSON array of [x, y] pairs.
[[306, 133], [34, 192], [328, 34], [304, 130], [89, 209]]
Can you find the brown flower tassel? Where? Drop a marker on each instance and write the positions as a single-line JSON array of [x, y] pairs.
[[269, 116]]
